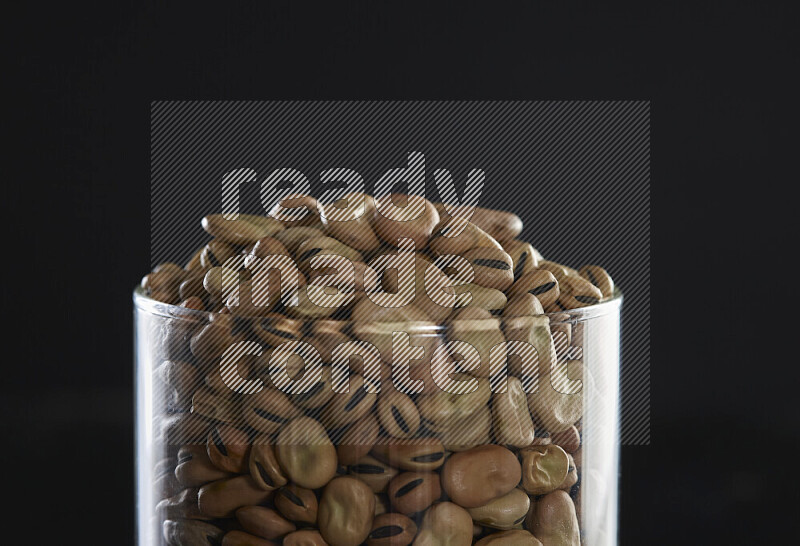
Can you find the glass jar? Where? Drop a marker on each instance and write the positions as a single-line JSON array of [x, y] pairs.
[[235, 416]]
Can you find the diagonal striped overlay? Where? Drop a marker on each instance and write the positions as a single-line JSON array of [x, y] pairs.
[[576, 172]]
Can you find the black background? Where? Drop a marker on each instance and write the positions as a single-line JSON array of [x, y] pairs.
[[76, 217]]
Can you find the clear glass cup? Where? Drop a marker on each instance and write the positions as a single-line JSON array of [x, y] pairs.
[[193, 389]]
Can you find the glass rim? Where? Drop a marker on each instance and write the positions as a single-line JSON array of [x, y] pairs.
[[145, 303]]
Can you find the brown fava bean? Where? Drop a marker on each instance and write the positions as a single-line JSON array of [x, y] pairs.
[[569, 440], [297, 209], [348, 220], [512, 423], [417, 454], [297, 504], [219, 254], [264, 467], [514, 537], [479, 329], [275, 329], [525, 257], [318, 394], [357, 440], [535, 331], [376, 474], [558, 403], [491, 299], [445, 524], [472, 478], [245, 229], [240, 538], [493, 267], [442, 408], [469, 236], [183, 532], [183, 505], [400, 216], [192, 287], [502, 225], [326, 335], [398, 414], [268, 410], [560, 271], [523, 305], [211, 405], [346, 408], [213, 339], [428, 279], [599, 277], [291, 238], [412, 492], [305, 453], [553, 520], [264, 522], [504, 512], [320, 246], [391, 530], [544, 468], [220, 499], [307, 537], [578, 292], [346, 511], [540, 283], [228, 448], [467, 432], [194, 468]]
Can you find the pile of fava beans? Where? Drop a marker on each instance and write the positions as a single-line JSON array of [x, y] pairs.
[[365, 467]]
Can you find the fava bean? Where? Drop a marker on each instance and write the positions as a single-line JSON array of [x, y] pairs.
[[417, 454], [540, 283], [268, 410], [194, 468], [445, 524], [398, 414], [599, 277], [544, 468], [569, 440], [346, 511], [348, 220], [553, 521], [396, 217], [525, 257], [493, 267], [412, 492], [183, 532], [375, 473], [220, 499], [391, 530], [264, 467], [305, 453], [243, 230], [504, 512], [297, 504], [473, 478], [578, 292], [228, 448], [264, 522], [512, 423], [357, 440]]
